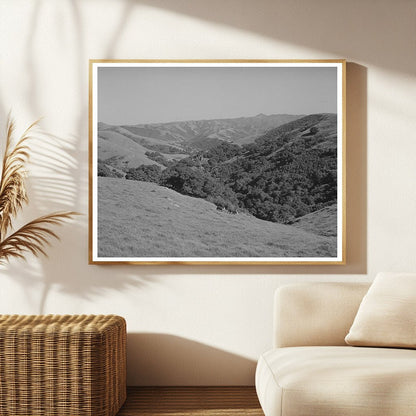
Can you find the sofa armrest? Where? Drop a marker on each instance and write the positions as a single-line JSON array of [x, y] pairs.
[[315, 313]]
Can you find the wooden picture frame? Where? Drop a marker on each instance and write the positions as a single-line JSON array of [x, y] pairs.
[[217, 162]]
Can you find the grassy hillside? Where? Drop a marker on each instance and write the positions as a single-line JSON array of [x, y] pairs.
[[313, 130], [322, 222], [119, 151], [141, 219]]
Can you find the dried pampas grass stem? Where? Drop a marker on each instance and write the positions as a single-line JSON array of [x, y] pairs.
[[34, 236]]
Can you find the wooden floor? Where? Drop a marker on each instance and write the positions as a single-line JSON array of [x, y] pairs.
[[195, 401]]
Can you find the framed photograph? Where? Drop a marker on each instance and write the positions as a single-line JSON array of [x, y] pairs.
[[217, 162]]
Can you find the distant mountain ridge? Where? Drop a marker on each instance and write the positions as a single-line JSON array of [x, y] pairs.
[[241, 130]]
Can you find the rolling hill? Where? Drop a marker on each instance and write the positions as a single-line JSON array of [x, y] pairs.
[[321, 222], [141, 219], [315, 131], [120, 152]]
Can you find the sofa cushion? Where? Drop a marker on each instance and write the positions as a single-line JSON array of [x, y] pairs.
[[387, 314], [342, 381]]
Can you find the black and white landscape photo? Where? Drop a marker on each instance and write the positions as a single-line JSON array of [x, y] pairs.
[[217, 162]]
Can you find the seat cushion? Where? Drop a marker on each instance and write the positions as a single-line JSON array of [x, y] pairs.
[[341, 381]]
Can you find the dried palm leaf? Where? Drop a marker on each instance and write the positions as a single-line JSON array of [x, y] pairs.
[[12, 183], [33, 237]]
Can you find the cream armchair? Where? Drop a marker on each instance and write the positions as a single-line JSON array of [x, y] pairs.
[[312, 371]]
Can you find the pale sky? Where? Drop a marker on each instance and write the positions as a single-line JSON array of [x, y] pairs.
[[138, 95]]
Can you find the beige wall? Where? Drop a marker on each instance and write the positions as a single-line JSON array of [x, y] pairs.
[[204, 325]]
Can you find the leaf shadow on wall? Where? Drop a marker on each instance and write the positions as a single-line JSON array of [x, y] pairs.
[[60, 182], [54, 187], [164, 359]]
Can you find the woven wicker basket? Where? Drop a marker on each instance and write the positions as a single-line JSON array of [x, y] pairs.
[[54, 365]]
